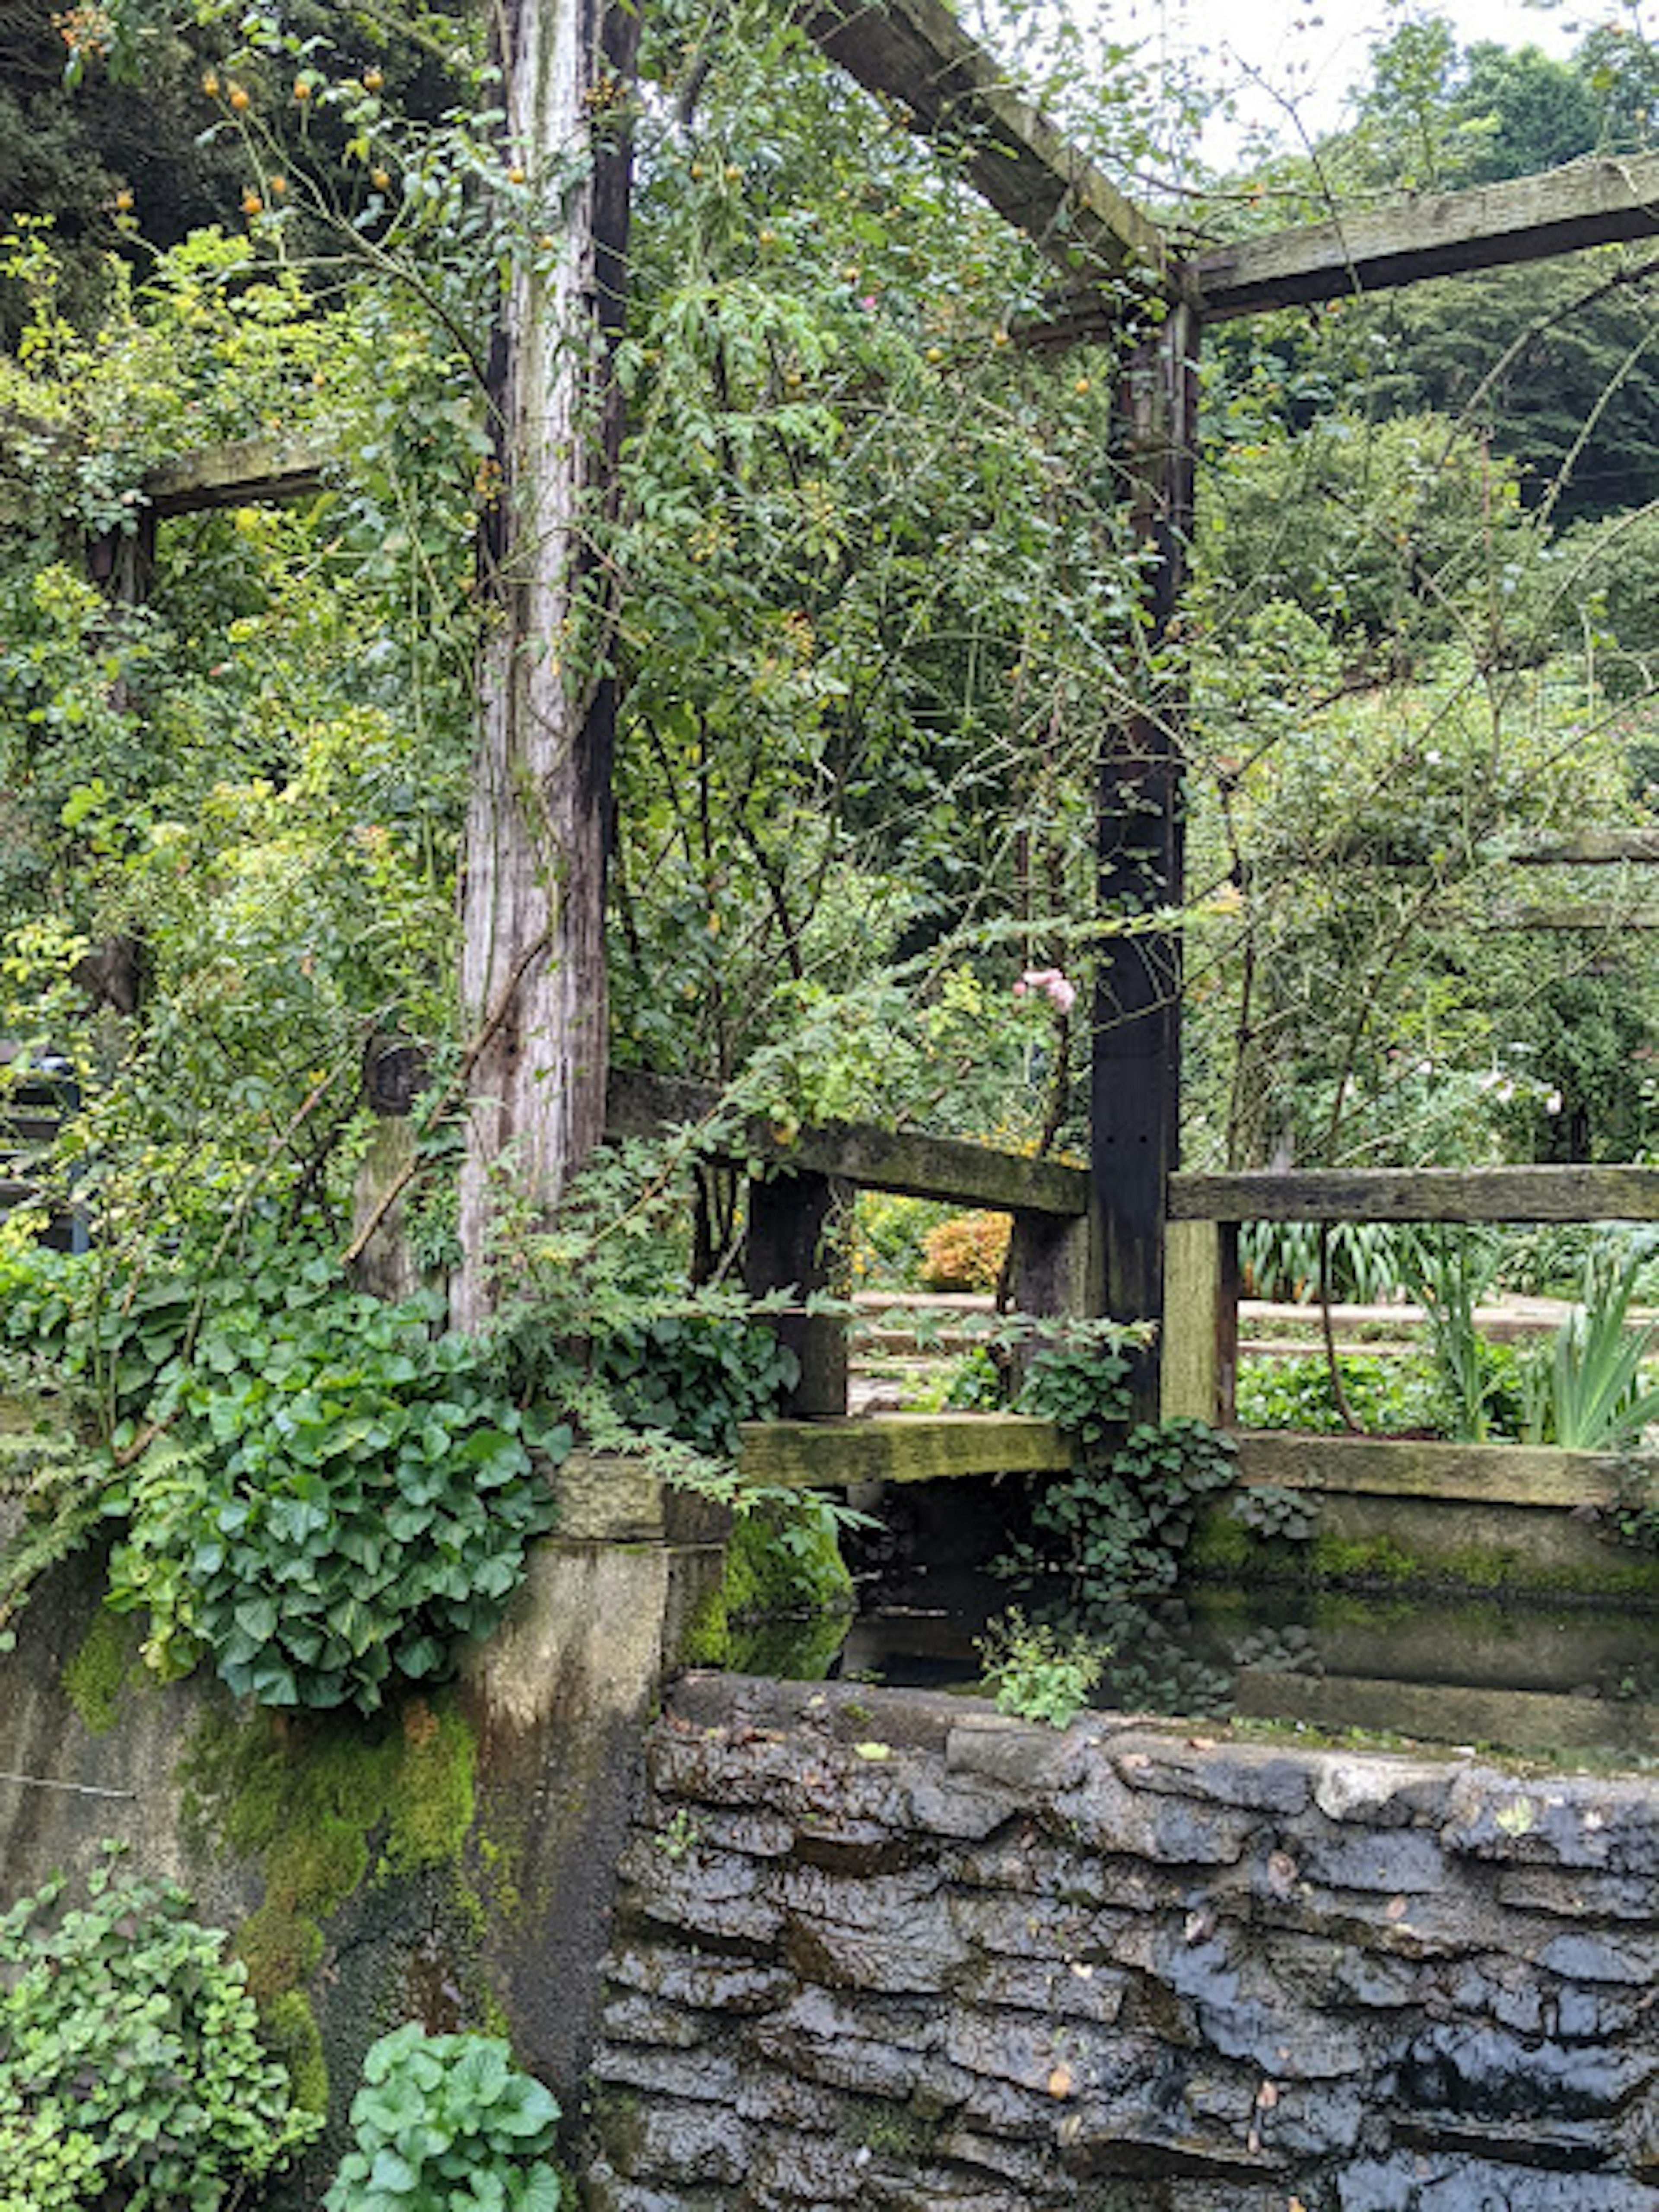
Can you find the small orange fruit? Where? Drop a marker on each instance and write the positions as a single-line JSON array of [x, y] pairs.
[[380, 178], [372, 80], [253, 204], [301, 90], [278, 186], [515, 176], [211, 83], [124, 202], [239, 98]]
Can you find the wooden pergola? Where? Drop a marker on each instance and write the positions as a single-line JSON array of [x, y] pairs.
[[1106, 1242]]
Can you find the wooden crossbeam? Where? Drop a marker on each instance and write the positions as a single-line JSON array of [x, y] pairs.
[[1499, 1195], [243, 472], [1586, 848], [1592, 202], [1595, 203], [904, 1161], [916, 54]]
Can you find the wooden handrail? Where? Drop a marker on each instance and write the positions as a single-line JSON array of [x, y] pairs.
[[1616, 1193]]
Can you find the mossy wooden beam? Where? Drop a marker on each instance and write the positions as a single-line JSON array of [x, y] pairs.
[[1604, 847], [1600, 201], [1392, 1467], [245, 472], [828, 1455], [904, 1161], [1449, 1712], [917, 54], [1504, 1194]]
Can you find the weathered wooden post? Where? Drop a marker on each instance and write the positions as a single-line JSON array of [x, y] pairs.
[[795, 1241], [533, 902], [1136, 1091]]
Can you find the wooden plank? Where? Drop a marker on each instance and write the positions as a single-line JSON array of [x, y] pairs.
[[916, 53], [1603, 848], [1189, 1377], [1397, 1466], [899, 1448], [1600, 201], [1502, 1194], [243, 472], [1606, 917], [901, 1160]]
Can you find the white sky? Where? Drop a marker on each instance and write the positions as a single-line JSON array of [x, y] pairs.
[[1312, 54]]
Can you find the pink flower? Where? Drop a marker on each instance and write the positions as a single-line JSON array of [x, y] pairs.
[[1060, 990]]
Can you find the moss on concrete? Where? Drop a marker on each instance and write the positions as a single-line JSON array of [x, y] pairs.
[[782, 1601], [104, 1664], [1223, 1546], [328, 1804]]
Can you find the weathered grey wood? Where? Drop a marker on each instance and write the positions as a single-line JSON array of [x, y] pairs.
[[916, 53], [1539, 1194], [533, 979], [795, 1242], [901, 1160], [1584, 849], [1604, 917], [242, 473], [1592, 202], [1391, 1466], [899, 1448], [1135, 1059]]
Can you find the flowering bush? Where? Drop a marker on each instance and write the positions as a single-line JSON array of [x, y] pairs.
[[965, 1253]]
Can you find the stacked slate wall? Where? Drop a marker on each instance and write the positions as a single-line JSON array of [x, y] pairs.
[[885, 1950]]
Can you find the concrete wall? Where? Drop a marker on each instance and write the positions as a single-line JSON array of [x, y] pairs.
[[889, 1951]]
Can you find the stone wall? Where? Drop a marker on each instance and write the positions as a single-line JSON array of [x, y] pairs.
[[890, 1951]]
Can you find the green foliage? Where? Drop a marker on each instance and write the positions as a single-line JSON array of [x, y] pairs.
[[1585, 1389], [1450, 1270], [129, 2060], [366, 1506], [1121, 1525], [1386, 1396], [447, 2123], [1083, 1391], [1037, 1673], [1273, 1511]]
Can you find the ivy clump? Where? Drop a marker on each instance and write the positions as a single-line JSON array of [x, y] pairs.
[[359, 1501], [447, 2123], [130, 2066], [1120, 1526]]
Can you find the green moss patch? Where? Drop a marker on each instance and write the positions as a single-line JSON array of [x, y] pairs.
[[104, 1665], [327, 1804], [783, 1602]]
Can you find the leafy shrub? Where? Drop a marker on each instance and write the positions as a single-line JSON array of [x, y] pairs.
[[447, 2124], [1386, 1395], [1084, 1393], [1119, 1528], [965, 1253], [131, 2067], [1036, 1672], [1272, 1510]]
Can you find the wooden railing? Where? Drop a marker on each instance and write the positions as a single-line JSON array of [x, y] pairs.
[[813, 1173], [1205, 1212]]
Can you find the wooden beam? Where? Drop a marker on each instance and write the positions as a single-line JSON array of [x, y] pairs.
[[1396, 1466], [904, 1161], [916, 53], [1139, 818], [899, 1448], [1598, 202], [1594, 202], [243, 472], [1608, 847], [1532, 1194], [1606, 916]]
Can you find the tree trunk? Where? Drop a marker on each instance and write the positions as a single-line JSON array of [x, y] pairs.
[[532, 898]]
